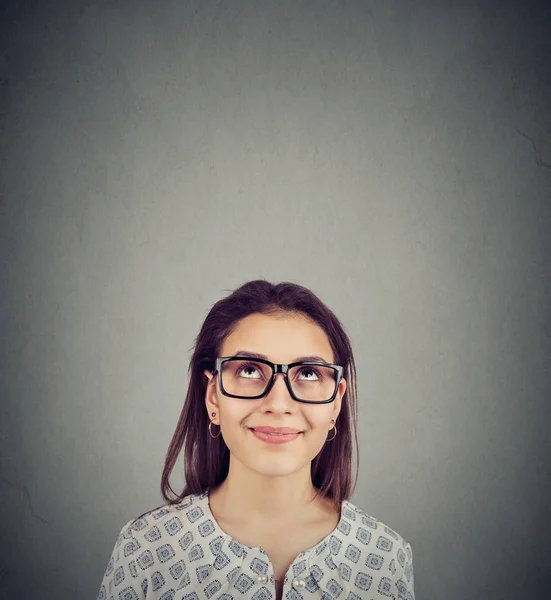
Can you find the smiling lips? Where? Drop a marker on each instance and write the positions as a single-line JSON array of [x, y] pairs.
[[275, 435], [278, 430]]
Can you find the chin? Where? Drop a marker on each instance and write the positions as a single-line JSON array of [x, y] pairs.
[[274, 465]]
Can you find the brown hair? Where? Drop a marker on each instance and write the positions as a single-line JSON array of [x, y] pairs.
[[206, 459]]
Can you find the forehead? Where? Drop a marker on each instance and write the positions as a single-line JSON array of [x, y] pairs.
[[282, 337]]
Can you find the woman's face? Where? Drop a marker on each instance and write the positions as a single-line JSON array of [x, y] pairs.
[[281, 338]]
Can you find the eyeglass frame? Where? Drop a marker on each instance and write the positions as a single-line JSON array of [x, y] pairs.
[[276, 368]]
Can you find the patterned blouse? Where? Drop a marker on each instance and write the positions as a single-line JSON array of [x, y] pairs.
[[179, 552]]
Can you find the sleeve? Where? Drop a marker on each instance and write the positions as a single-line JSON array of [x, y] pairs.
[[121, 579], [405, 581]]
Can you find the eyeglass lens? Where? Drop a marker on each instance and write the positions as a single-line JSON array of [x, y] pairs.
[[247, 378]]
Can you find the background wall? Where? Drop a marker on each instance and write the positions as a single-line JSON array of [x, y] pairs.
[[395, 157]]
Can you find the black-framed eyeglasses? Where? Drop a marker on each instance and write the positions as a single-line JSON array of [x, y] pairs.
[[252, 378]]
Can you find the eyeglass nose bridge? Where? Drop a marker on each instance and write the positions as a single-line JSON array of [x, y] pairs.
[[276, 370]]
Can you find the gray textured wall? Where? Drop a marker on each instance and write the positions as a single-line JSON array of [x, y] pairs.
[[395, 157]]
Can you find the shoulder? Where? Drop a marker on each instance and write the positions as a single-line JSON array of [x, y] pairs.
[[372, 552], [362, 526], [168, 518], [160, 535], [149, 548]]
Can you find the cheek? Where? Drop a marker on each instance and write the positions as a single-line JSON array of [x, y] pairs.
[[318, 420], [234, 418]]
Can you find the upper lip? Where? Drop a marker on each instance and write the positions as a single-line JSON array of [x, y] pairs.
[[267, 429]]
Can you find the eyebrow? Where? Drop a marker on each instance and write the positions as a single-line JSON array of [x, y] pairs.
[[298, 359]]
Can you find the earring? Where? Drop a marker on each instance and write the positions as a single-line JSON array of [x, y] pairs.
[[335, 435], [210, 423]]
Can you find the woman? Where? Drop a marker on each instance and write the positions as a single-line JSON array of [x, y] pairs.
[[265, 512]]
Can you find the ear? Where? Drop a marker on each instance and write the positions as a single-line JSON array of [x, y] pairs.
[[337, 403], [211, 400]]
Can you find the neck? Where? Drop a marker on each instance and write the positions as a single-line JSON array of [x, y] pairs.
[[250, 496]]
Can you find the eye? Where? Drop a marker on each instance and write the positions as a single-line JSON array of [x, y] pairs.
[[312, 371], [248, 367]]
